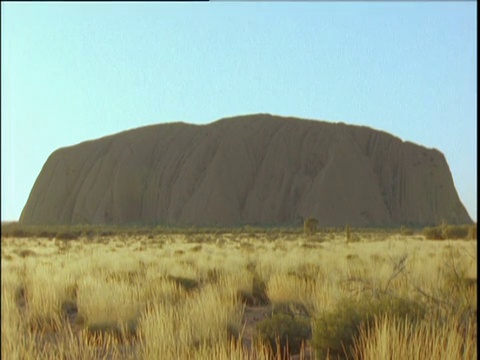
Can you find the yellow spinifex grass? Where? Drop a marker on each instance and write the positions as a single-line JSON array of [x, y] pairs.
[[13, 344], [180, 330], [179, 294], [103, 301], [289, 288], [391, 338]]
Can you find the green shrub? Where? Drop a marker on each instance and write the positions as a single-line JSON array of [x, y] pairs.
[[472, 232], [20, 233], [289, 332], [450, 232], [455, 232], [68, 235], [14, 229], [310, 226], [335, 332], [433, 233], [46, 234], [106, 233], [406, 231]]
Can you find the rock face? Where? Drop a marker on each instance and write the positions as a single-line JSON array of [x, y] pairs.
[[257, 169]]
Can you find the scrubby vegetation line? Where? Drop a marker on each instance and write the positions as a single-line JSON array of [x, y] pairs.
[[310, 227]]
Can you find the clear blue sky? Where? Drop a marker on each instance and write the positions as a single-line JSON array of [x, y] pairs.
[[78, 71]]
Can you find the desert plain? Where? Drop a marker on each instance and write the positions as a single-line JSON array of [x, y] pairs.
[[243, 294]]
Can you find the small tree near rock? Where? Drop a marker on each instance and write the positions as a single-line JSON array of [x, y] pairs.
[[310, 226]]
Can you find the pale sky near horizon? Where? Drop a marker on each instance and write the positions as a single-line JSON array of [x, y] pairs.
[[72, 72]]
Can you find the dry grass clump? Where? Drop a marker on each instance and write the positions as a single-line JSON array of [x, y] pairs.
[[197, 322], [390, 335], [289, 288], [13, 344]]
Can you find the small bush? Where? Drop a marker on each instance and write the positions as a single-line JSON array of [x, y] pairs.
[[450, 232], [433, 233], [233, 332], [347, 233], [26, 252], [46, 234], [406, 231], [246, 297], [106, 233], [353, 238], [259, 290], [68, 235], [472, 232], [98, 331], [455, 232], [121, 333], [310, 226], [288, 331], [20, 233], [185, 283], [335, 332], [196, 248], [14, 229], [69, 308], [291, 309], [21, 296]]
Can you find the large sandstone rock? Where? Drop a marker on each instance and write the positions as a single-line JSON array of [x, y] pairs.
[[257, 169]]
